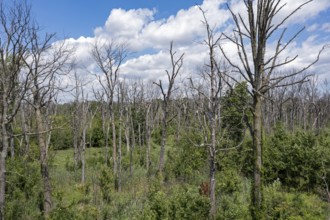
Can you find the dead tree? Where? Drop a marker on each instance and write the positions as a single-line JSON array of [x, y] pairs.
[[258, 69], [212, 80], [150, 111], [46, 62], [14, 43], [100, 97], [121, 103], [166, 96], [82, 116], [109, 57]]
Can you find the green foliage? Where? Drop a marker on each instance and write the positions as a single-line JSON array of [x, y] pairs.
[[234, 109], [298, 206], [106, 180], [186, 162], [63, 213], [23, 189], [294, 159], [157, 136], [181, 202], [233, 192], [96, 133], [61, 138]]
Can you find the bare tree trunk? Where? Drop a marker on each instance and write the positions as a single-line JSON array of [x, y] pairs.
[[132, 144], [127, 128], [148, 139], [3, 156], [171, 75], [83, 164], [25, 127], [257, 195], [114, 144], [47, 191], [119, 148], [105, 129], [11, 141], [15, 26], [212, 161], [75, 137], [163, 141]]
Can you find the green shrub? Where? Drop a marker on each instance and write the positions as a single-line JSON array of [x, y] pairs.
[[294, 205], [106, 180], [24, 189]]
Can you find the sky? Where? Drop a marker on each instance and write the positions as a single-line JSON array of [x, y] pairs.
[[148, 27], [77, 18]]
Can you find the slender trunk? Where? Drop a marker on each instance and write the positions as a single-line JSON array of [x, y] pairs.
[[140, 136], [26, 138], [12, 144], [163, 143], [212, 188], [75, 142], [257, 193], [214, 107], [119, 150], [132, 147], [128, 149], [2, 182], [114, 144], [148, 139], [44, 162], [82, 156], [3, 156], [105, 128], [212, 162]]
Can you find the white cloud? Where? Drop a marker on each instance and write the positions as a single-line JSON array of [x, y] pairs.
[[141, 30], [326, 27], [144, 33], [308, 11], [313, 27]]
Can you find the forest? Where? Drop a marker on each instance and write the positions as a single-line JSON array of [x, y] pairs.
[[242, 138]]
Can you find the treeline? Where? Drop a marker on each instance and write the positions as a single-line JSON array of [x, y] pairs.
[[208, 147]]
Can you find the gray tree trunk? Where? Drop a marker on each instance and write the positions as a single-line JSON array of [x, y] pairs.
[[3, 156], [47, 191], [257, 193]]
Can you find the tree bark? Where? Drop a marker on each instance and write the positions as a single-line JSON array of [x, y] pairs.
[[257, 193], [212, 161], [83, 148], [163, 141], [47, 191], [119, 148], [3, 156], [114, 144], [148, 139]]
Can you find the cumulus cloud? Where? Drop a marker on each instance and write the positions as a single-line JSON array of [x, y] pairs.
[[150, 38]]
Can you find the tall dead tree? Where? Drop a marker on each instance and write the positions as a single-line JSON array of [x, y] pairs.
[[166, 96], [260, 68], [45, 63], [150, 113], [210, 91], [14, 43], [109, 57], [82, 116]]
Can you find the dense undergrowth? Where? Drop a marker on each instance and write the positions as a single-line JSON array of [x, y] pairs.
[[296, 176]]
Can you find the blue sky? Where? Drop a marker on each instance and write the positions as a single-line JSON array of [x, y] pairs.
[[75, 18], [148, 27]]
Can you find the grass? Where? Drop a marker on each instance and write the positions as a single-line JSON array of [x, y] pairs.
[[66, 180]]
